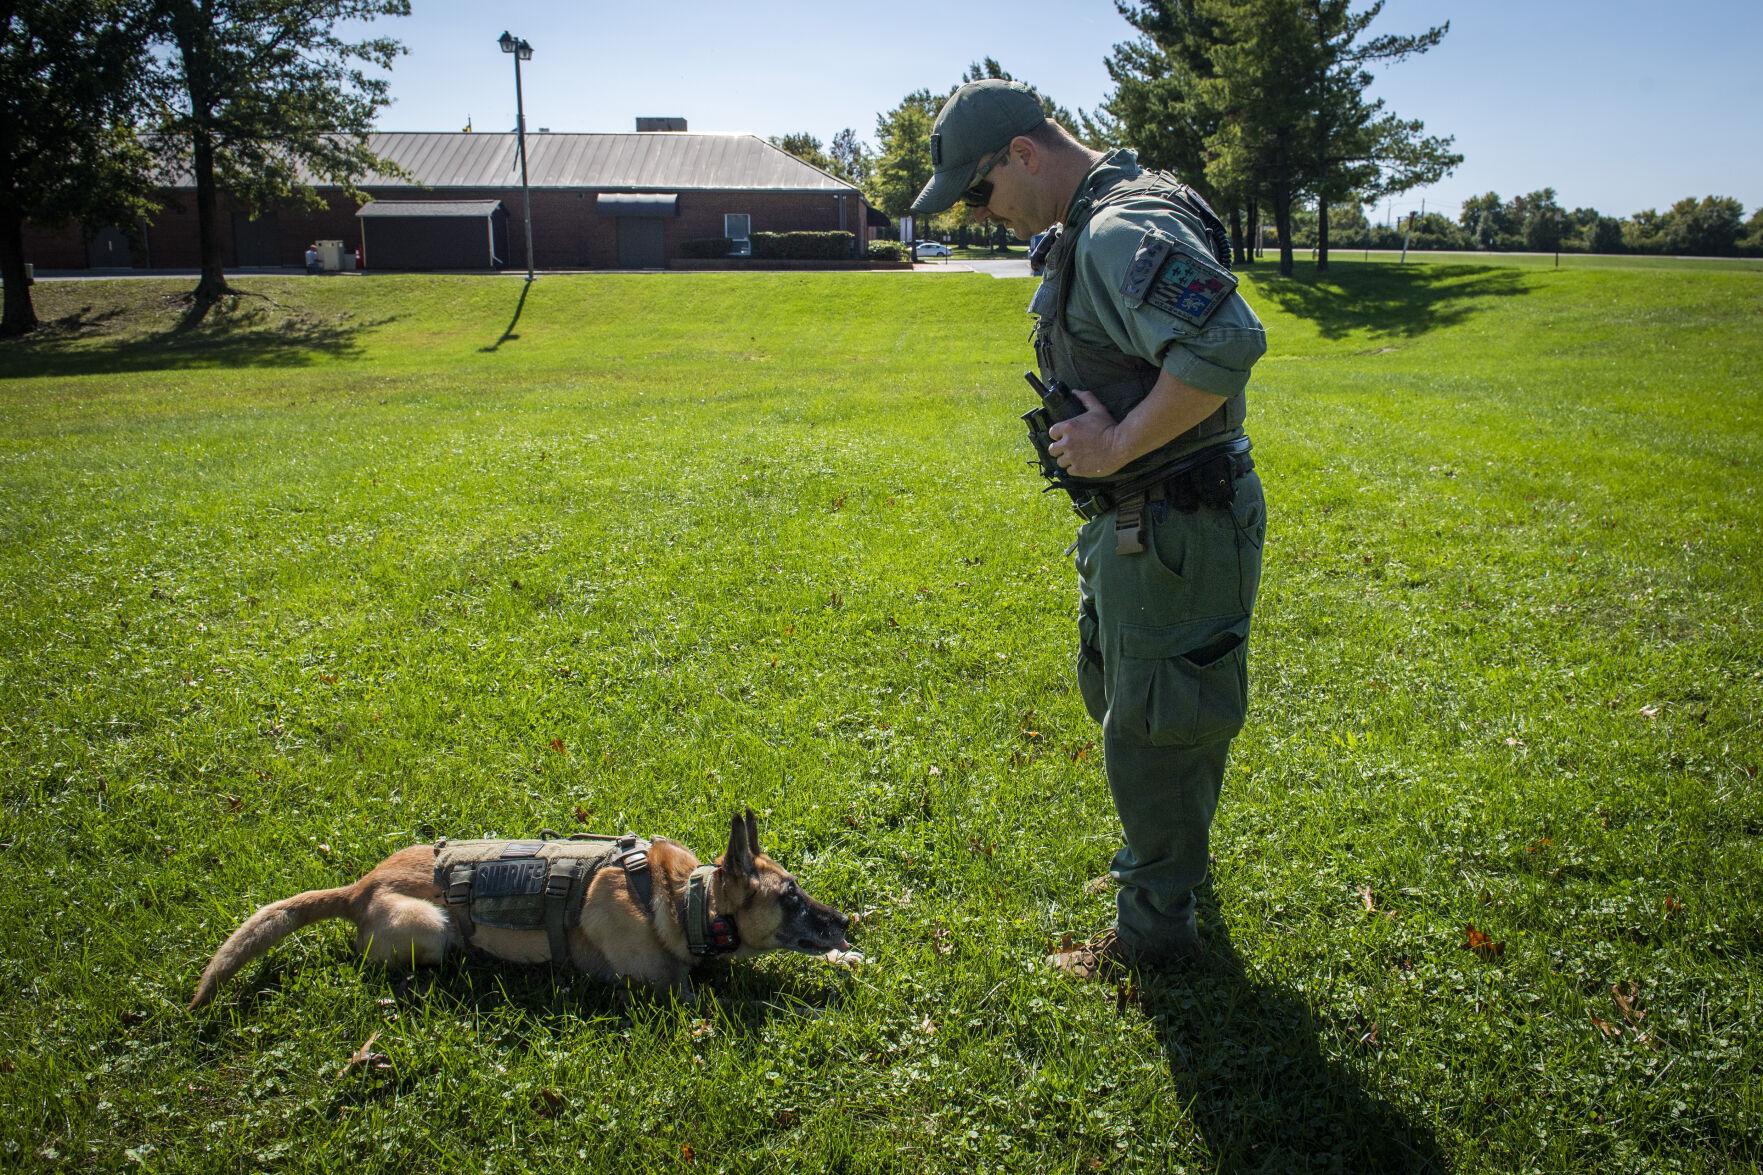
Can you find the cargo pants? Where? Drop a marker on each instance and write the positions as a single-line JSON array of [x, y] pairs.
[[1163, 665]]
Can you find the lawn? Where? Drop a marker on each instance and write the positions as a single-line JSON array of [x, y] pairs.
[[366, 561]]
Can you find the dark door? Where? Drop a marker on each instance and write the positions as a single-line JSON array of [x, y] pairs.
[[110, 249], [255, 240], [640, 243]]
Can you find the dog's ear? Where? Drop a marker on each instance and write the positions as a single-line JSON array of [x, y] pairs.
[[738, 860], [752, 834]]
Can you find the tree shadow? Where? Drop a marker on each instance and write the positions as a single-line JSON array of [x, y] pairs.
[[1248, 1058], [1390, 301], [240, 333], [508, 334]]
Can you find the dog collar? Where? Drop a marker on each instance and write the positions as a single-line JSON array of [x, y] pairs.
[[707, 935]]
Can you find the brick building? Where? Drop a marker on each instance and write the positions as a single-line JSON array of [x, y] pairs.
[[599, 201]]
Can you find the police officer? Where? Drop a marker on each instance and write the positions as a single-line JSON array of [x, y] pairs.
[[1138, 314]]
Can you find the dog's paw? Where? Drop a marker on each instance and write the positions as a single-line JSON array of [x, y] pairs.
[[850, 960]]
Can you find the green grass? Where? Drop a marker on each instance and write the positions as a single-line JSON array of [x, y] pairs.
[[1306, 257], [328, 575]]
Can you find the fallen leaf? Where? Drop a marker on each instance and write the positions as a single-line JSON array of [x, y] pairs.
[[1365, 896], [928, 1026], [581, 814], [557, 745], [686, 1153], [1650, 712], [1127, 992], [366, 1057], [1483, 944], [1098, 886], [547, 1102], [980, 848], [324, 848], [942, 941], [1607, 1028], [1539, 845], [328, 678], [1673, 907], [234, 803], [1628, 1000]]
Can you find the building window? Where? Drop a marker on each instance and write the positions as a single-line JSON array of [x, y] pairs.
[[737, 227]]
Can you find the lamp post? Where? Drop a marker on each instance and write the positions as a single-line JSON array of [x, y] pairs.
[[522, 52]]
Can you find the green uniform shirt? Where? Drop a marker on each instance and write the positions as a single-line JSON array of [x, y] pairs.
[[1214, 355]]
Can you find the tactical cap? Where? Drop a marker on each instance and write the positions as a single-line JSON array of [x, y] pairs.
[[974, 124]]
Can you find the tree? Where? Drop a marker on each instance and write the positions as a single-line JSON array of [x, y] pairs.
[[1541, 217], [1752, 244], [902, 163], [1157, 107], [268, 100], [851, 158], [1604, 235], [1708, 228], [805, 147], [1263, 83], [72, 83], [1360, 151]]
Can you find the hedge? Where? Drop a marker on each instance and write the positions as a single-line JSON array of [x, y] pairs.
[[887, 251], [706, 247], [833, 246]]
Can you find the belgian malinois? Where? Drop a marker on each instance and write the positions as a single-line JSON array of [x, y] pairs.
[[628, 927]]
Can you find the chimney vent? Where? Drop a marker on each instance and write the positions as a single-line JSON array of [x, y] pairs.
[[646, 125]]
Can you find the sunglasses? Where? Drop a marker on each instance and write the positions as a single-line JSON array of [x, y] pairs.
[[980, 194]]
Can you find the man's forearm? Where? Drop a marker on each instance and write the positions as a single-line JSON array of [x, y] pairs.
[[1168, 410]]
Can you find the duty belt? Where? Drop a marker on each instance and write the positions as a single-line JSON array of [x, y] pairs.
[[1203, 478]]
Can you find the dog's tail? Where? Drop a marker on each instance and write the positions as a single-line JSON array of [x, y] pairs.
[[267, 927]]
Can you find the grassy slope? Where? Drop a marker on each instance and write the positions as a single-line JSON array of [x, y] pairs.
[[331, 576]]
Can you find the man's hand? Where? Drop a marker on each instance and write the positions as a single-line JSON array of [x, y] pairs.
[[1085, 446], [1094, 445]]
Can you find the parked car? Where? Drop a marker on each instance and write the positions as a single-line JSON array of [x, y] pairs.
[[930, 249]]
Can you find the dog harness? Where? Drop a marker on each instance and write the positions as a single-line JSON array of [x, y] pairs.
[[542, 884]]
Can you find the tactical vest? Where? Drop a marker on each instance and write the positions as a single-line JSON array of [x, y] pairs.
[[532, 884], [1117, 379]]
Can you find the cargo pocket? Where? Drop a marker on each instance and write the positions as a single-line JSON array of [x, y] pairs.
[[1183, 684], [1092, 678]]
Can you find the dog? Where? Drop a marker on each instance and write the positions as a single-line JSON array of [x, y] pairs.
[[648, 911]]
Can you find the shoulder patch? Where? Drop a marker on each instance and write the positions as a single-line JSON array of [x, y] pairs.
[[1188, 286], [1154, 247]]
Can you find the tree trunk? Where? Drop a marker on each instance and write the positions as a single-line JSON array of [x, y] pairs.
[[1254, 230], [1322, 234], [1282, 224], [212, 286], [21, 316], [1236, 235]]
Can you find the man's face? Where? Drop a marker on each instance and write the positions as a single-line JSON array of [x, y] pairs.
[[1010, 200]]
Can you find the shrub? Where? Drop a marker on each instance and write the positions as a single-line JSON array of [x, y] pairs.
[[706, 247], [886, 251], [833, 246]]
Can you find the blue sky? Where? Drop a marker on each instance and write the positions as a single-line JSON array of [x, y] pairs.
[[1619, 105]]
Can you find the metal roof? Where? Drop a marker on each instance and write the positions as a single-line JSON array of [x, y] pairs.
[[673, 161], [380, 209]]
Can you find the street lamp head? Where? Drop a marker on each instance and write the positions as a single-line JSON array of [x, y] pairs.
[[507, 42], [526, 51]]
